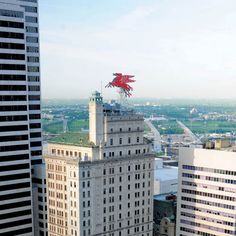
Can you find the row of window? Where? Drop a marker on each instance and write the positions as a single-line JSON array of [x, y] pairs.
[[120, 153], [57, 177], [10, 13], [14, 148], [122, 130], [204, 226], [13, 118], [13, 138], [208, 203], [68, 153], [16, 46], [210, 195], [35, 1], [207, 219], [208, 186], [12, 67], [195, 232], [13, 108], [210, 170], [11, 24], [208, 211], [121, 141], [13, 128], [13, 98], [11, 56], [12, 35], [209, 178], [13, 77], [13, 88], [9, 158]]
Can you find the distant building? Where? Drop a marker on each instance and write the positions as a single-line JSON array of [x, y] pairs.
[[219, 144], [101, 183], [222, 143], [193, 111], [164, 215], [206, 193], [165, 178]]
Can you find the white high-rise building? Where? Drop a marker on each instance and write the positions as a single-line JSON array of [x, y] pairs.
[[101, 183], [206, 193], [20, 125]]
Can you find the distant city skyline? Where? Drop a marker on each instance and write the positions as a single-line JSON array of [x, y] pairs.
[[176, 49]]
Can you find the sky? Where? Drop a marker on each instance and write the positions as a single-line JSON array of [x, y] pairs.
[[175, 49]]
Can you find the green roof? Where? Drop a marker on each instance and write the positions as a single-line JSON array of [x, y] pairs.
[[76, 139]]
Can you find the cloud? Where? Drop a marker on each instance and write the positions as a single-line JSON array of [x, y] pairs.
[[134, 17]]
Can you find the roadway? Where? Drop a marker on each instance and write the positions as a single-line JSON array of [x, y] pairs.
[[188, 132], [157, 136]]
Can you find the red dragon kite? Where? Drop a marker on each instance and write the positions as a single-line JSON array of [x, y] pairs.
[[121, 81]]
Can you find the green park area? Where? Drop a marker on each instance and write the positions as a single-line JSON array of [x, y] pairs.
[[56, 127], [168, 127], [210, 126]]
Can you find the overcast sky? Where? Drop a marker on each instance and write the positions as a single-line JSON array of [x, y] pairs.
[[175, 48]]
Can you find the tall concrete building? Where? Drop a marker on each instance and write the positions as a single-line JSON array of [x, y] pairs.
[[206, 194], [101, 183], [20, 125]]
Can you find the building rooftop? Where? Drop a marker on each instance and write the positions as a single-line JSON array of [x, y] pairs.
[[166, 173], [75, 139], [164, 197]]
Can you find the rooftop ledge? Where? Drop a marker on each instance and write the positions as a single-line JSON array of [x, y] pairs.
[[75, 139]]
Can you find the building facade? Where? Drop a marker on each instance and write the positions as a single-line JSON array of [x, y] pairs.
[[164, 215], [101, 183], [20, 125], [206, 193], [165, 178]]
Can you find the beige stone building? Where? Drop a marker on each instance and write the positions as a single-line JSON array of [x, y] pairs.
[[101, 183]]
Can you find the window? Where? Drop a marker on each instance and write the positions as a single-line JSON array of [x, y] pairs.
[[31, 19], [111, 141], [30, 9], [32, 39], [10, 13], [120, 141], [129, 140]]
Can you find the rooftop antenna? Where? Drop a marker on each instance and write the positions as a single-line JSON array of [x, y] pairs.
[[101, 87]]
